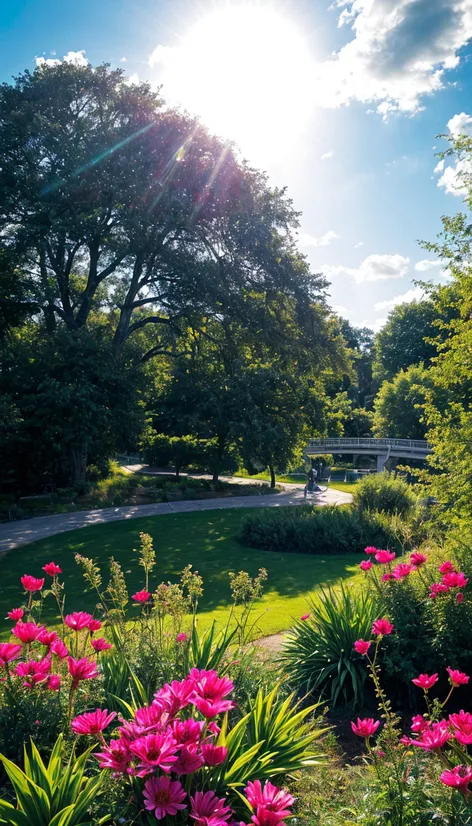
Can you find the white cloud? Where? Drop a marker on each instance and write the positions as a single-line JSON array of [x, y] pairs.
[[452, 178], [411, 295], [427, 264], [340, 310], [123, 60], [359, 244], [132, 80], [399, 52], [375, 325], [327, 155], [439, 167], [77, 58], [306, 240], [373, 268]]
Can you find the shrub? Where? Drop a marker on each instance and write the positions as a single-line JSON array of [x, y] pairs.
[[311, 530], [319, 652], [381, 492], [430, 606]]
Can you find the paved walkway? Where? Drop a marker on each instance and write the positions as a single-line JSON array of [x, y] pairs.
[[15, 534]]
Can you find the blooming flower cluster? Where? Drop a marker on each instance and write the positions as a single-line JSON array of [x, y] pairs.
[[39, 657], [430, 734], [176, 737], [451, 579]]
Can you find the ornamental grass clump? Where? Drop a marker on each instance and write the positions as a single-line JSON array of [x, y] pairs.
[[318, 655]]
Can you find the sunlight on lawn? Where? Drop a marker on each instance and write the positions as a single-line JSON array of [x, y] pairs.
[[205, 540]]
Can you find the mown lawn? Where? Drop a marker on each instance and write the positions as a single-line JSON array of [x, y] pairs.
[[207, 540]]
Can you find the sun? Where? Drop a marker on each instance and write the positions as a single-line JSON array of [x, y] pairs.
[[245, 70]]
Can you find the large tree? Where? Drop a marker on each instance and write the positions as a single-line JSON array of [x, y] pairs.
[[114, 200], [407, 338], [399, 405]]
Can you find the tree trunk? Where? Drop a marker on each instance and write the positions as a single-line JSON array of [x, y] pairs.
[[177, 472], [272, 476], [78, 463]]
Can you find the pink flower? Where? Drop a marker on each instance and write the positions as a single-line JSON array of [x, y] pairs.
[[78, 620], [182, 637], [457, 678], [462, 723], [382, 627], [52, 569], [366, 727], [455, 580], [208, 809], [209, 692], [402, 570], [387, 577], [26, 631], [305, 617], [434, 737], [418, 559], [459, 597], [83, 669], [58, 648], [405, 741], [94, 625], [46, 637], [155, 750], [189, 760], [54, 682], [175, 696], [116, 756], [34, 672], [93, 722], [141, 596], [214, 755], [269, 797], [100, 644], [187, 731], [16, 614], [362, 647], [425, 682], [163, 796], [458, 778], [370, 550], [419, 724], [365, 565], [446, 568], [31, 584], [384, 557], [8, 652], [438, 588]]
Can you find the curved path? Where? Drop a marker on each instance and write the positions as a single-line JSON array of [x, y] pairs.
[[15, 534]]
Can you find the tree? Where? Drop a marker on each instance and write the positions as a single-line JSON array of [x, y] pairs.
[[360, 341], [112, 199], [399, 405], [74, 404], [406, 339]]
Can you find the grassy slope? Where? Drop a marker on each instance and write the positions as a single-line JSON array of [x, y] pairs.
[[206, 540]]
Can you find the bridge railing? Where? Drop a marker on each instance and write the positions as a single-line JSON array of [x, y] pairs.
[[408, 444]]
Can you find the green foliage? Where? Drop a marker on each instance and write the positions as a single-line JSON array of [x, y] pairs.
[[319, 655], [383, 493], [55, 793], [406, 339], [274, 738], [329, 530], [399, 405]]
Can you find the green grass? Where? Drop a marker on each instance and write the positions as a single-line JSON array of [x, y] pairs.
[[346, 487], [297, 479], [206, 540]]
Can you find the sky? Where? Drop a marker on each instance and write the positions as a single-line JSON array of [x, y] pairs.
[[341, 103]]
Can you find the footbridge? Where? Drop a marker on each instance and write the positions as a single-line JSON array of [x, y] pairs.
[[383, 449]]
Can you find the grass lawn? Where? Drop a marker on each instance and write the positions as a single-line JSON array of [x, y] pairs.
[[206, 540], [297, 479]]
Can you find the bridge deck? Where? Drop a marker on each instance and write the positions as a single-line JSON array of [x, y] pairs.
[[408, 448]]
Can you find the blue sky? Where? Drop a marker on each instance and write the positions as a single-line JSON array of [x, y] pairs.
[[339, 102]]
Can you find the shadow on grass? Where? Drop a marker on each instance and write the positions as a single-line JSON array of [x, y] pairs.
[[206, 540]]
